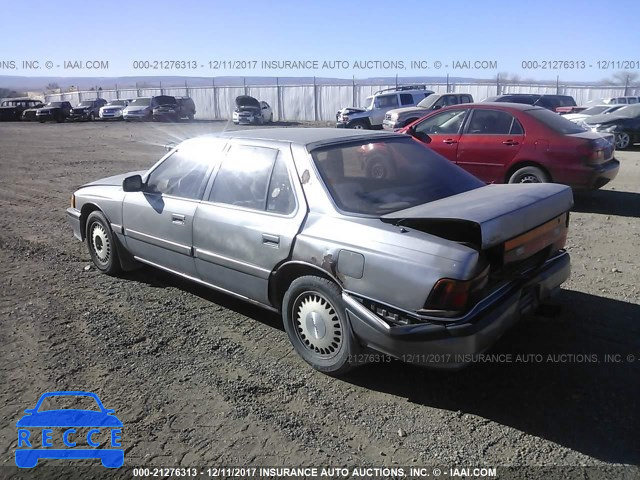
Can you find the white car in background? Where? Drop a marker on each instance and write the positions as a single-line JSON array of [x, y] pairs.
[[595, 110], [113, 110], [250, 111]]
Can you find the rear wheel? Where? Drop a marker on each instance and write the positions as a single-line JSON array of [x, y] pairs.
[[316, 323], [379, 167], [92, 117], [529, 175], [623, 140], [101, 244]]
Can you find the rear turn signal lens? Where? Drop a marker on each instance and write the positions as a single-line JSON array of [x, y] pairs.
[[73, 201]]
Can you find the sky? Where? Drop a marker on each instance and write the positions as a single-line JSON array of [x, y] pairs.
[[575, 40]]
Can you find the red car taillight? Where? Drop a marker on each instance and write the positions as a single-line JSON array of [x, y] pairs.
[[593, 153], [454, 295]]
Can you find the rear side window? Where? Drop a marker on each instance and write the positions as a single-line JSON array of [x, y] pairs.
[[493, 122], [555, 122], [243, 177], [406, 99]]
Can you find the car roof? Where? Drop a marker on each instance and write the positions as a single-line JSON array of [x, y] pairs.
[[308, 137], [497, 105]]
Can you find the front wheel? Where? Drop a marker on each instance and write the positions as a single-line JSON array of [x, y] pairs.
[[101, 244], [529, 175], [316, 323], [623, 140], [359, 125], [92, 117]]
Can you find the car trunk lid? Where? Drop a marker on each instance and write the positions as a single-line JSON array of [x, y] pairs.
[[487, 216]]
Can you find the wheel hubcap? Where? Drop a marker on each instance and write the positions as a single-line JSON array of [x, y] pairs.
[[529, 179], [378, 171], [100, 243], [622, 140], [317, 324]]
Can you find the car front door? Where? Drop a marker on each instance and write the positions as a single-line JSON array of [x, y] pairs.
[[246, 225], [158, 221], [490, 141], [382, 104], [443, 128]]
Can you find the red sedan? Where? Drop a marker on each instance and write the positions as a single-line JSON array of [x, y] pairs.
[[516, 143]]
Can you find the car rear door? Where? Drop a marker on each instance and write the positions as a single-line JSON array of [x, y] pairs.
[[443, 128], [490, 141], [158, 221], [248, 220]]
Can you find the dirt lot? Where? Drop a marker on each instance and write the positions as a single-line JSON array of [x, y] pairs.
[[200, 379]]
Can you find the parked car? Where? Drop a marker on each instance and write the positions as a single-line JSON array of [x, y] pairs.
[[550, 102], [29, 114], [595, 110], [175, 110], [428, 261], [628, 99], [58, 111], [13, 108], [624, 124], [87, 109], [400, 117], [141, 108], [113, 110], [371, 115], [250, 111], [518, 143]]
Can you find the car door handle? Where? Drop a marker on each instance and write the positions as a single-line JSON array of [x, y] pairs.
[[449, 141], [510, 143], [177, 219], [271, 240]]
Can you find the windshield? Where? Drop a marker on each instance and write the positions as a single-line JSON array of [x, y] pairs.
[[376, 178], [86, 103], [555, 122], [428, 102], [368, 103], [116, 103], [595, 110], [54, 104], [141, 102]]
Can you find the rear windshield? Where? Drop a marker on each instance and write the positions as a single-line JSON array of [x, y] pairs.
[[376, 178], [555, 122], [164, 100]]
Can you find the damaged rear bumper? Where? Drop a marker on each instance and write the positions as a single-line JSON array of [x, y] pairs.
[[452, 345]]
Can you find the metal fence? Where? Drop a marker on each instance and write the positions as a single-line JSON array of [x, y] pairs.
[[319, 102]]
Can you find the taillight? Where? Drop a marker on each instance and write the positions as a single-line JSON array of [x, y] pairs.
[[455, 295], [73, 201], [591, 153]]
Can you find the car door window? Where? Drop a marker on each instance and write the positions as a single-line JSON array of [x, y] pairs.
[[387, 101], [447, 122], [406, 99], [243, 177], [281, 198], [183, 174], [493, 122]]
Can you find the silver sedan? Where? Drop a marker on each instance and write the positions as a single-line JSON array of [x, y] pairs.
[[364, 241]]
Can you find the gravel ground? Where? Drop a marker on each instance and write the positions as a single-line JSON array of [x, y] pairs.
[[200, 379]]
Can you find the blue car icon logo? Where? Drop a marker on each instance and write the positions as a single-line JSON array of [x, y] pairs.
[[69, 433]]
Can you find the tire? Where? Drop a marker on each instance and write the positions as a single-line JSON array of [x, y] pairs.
[[379, 167], [359, 125], [311, 306], [101, 244], [529, 175], [92, 117], [622, 140], [271, 118], [41, 121], [191, 117]]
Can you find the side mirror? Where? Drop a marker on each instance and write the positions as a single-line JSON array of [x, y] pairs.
[[169, 146], [132, 184], [423, 137], [437, 107]]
